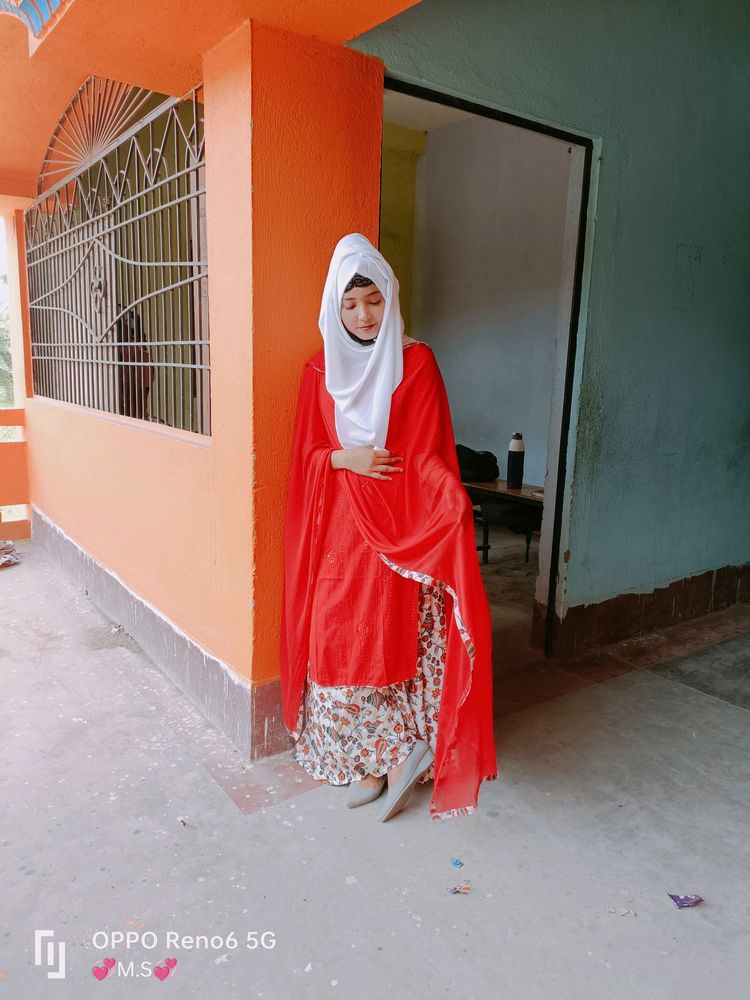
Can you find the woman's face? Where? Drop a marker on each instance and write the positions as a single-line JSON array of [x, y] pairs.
[[362, 311]]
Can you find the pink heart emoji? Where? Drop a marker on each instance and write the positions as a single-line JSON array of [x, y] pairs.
[[161, 973], [170, 962], [100, 972], [109, 962]]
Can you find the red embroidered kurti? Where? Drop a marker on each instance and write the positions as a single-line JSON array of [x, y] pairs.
[[363, 619], [352, 617]]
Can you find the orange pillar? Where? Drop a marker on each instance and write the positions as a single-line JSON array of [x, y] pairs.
[[316, 144]]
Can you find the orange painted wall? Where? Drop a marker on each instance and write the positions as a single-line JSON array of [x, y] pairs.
[[168, 511], [192, 524], [14, 478], [317, 126], [14, 482]]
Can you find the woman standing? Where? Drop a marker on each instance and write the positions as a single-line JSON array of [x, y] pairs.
[[386, 636]]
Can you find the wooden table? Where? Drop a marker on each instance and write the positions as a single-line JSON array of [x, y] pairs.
[[531, 496]]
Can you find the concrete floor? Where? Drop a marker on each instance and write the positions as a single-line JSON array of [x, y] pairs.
[[623, 777]]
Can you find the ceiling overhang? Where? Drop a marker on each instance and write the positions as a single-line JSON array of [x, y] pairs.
[[154, 44]]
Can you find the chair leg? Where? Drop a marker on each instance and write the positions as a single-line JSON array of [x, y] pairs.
[[485, 542], [528, 543]]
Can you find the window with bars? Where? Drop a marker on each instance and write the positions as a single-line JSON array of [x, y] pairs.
[[116, 258]]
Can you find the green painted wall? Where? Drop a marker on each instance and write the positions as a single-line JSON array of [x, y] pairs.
[[661, 423], [401, 149]]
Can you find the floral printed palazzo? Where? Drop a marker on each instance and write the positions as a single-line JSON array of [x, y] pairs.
[[344, 733]]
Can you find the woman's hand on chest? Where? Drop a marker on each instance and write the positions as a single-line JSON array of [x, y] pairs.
[[366, 460]]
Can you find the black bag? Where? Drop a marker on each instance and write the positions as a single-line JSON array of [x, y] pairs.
[[477, 466]]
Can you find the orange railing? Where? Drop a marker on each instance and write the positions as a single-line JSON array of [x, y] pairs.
[[14, 477]]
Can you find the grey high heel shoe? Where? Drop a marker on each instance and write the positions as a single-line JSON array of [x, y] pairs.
[[419, 759], [358, 793]]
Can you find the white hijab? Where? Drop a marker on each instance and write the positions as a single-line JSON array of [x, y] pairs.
[[361, 377]]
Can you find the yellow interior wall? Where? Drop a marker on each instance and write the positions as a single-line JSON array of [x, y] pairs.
[[401, 149]]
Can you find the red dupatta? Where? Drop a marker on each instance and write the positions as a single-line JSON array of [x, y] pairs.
[[421, 521]]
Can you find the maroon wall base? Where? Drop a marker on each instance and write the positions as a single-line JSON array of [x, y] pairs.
[[268, 734], [587, 625]]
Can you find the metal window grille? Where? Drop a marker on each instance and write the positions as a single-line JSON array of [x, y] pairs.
[[116, 258]]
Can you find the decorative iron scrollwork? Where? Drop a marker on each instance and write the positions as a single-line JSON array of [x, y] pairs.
[[98, 287], [120, 243]]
